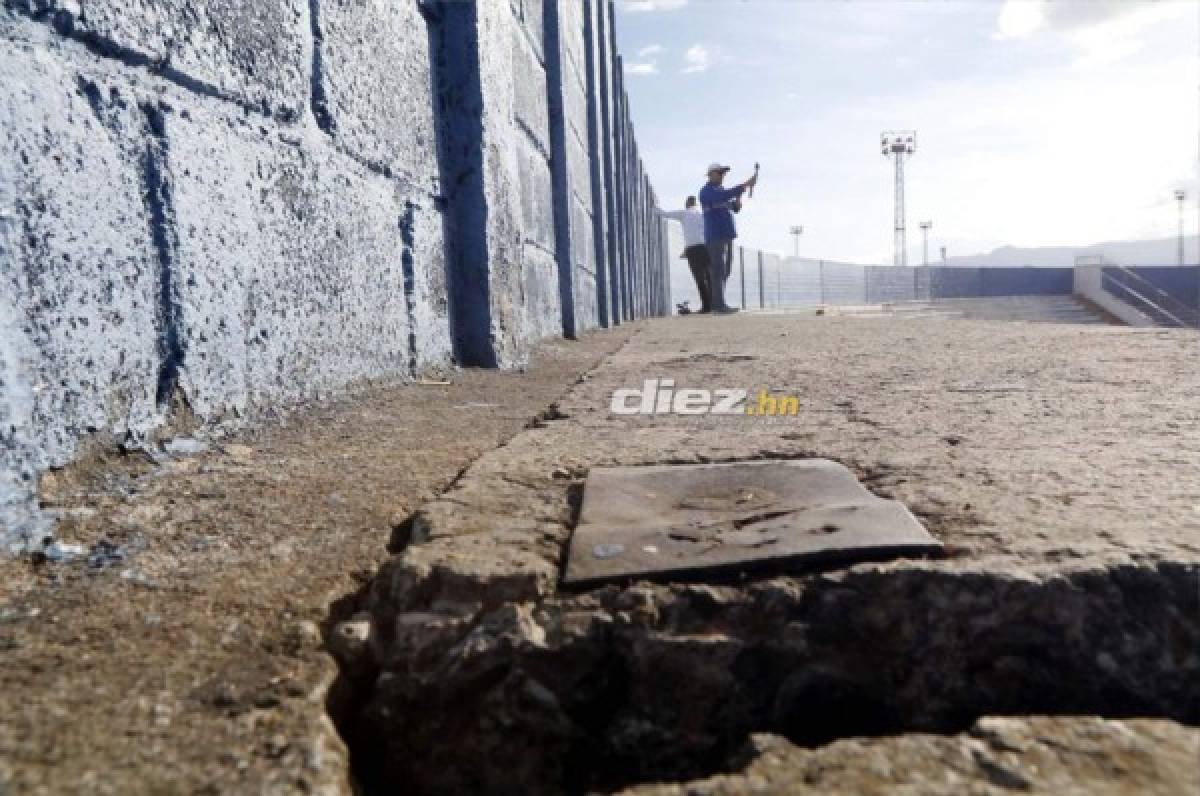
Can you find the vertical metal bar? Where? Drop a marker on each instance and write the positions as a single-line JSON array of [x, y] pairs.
[[762, 295], [742, 266]]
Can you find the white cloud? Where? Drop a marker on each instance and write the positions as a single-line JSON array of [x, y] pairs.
[[696, 59], [653, 49], [1067, 15], [652, 5], [1019, 19], [1101, 31], [642, 68], [1113, 39]]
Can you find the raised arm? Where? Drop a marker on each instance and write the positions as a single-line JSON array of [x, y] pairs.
[[713, 195]]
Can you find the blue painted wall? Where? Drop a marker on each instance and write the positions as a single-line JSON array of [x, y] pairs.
[[1181, 283]]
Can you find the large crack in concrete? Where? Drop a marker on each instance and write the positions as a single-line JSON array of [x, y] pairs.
[[468, 669], [478, 681]]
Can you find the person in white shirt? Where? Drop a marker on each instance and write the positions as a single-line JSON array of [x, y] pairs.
[[694, 249]]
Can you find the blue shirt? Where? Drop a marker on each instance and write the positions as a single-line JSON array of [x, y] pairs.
[[718, 217]]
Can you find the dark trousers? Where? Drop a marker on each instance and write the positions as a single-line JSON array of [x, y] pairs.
[[697, 257], [720, 255]]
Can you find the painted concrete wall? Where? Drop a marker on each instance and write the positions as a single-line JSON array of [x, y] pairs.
[[1089, 282], [1181, 283], [792, 281], [212, 210], [1143, 295]]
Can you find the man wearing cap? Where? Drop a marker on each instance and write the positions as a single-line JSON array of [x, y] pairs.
[[719, 230]]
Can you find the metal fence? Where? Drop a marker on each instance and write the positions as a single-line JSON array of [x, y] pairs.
[[763, 280]]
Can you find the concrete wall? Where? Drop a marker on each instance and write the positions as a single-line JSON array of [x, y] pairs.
[[1181, 283], [211, 210], [1144, 295], [1089, 283], [793, 281]]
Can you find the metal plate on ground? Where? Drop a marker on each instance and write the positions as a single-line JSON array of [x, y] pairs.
[[694, 521]]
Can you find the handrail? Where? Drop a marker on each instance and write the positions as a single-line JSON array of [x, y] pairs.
[[1178, 308], [1148, 297]]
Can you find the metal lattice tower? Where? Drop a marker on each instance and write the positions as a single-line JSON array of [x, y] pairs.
[[899, 145]]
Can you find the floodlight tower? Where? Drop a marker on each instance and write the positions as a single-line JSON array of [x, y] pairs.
[[796, 231], [1180, 195], [898, 145], [925, 227]]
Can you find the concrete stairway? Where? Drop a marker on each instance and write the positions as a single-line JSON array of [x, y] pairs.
[[1036, 309]]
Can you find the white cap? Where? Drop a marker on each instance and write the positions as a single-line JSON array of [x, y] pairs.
[[715, 166]]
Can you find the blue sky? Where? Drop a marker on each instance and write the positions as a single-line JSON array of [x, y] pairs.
[[1038, 123]]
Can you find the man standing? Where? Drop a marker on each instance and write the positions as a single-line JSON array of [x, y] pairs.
[[694, 249], [719, 230]]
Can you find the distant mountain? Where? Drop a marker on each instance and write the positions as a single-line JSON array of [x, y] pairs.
[[1124, 252]]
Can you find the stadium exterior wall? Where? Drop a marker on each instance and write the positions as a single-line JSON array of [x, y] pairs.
[[210, 212]]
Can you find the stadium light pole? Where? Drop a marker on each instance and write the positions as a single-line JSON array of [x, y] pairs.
[[1180, 195], [899, 145], [796, 232], [925, 227]]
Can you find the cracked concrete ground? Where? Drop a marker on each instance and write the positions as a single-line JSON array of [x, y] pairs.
[[195, 664], [1057, 463]]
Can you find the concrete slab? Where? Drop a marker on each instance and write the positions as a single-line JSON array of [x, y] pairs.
[[1068, 509], [688, 522]]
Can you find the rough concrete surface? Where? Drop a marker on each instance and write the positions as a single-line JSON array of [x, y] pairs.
[[254, 54], [1055, 462], [1071, 756], [182, 652], [212, 211]]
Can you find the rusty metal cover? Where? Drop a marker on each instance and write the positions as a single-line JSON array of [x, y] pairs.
[[696, 521]]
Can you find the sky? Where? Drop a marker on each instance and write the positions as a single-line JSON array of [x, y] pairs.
[[1038, 124]]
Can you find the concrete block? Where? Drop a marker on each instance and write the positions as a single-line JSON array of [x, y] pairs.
[[582, 259], [536, 196], [291, 260], [170, 221], [541, 308], [582, 246], [571, 166], [259, 54], [375, 79], [530, 16], [494, 119], [528, 86], [79, 272]]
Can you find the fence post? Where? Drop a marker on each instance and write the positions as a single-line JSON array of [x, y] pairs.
[[742, 272], [762, 293]]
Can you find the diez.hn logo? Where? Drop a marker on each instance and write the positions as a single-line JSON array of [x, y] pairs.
[[660, 397]]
